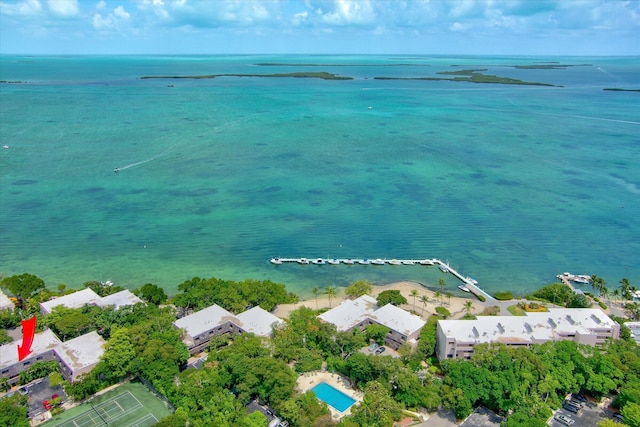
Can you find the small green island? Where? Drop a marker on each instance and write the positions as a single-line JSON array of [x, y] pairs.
[[619, 89], [471, 76], [301, 75]]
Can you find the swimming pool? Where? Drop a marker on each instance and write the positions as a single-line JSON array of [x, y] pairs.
[[333, 397]]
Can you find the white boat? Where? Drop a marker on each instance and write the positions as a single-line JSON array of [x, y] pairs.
[[394, 262], [426, 262], [318, 261], [472, 280], [407, 262], [275, 261], [303, 261], [463, 288], [116, 170], [364, 261], [348, 261], [5, 146], [333, 261], [377, 261], [444, 268]]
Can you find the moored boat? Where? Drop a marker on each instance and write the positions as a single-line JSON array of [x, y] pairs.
[[275, 260]]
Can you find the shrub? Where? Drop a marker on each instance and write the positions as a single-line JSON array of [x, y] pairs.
[[490, 311], [481, 298], [602, 305], [503, 296], [441, 311]]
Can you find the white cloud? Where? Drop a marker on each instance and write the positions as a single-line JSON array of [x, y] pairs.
[[24, 8], [350, 12], [112, 21], [101, 5], [63, 8]]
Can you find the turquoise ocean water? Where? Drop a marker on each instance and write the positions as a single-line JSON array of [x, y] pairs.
[[510, 184]]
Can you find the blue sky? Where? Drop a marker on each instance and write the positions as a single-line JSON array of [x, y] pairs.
[[509, 27]]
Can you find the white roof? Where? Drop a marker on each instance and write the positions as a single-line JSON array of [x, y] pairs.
[[350, 312], [42, 342], [75, 300], [204, 320], [258, 321], [5, 302], [81, 352], [119, 299], [530, 328], [398, 319]]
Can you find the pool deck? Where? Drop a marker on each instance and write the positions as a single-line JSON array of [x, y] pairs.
[[307, 381]]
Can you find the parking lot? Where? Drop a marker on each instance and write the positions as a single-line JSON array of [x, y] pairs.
[[38, 392], [589, 416]]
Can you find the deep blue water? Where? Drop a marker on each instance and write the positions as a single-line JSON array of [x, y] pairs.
[[510, 184]]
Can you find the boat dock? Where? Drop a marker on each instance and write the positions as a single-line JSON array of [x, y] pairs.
[[469, 283]]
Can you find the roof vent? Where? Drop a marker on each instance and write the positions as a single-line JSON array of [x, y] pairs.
[[528, 327], [552, 323], [570, 319], [475, 332], [596, 319], [500, 328]]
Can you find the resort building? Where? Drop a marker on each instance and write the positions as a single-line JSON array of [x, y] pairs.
[[80, 355], [75, 357], [5, 302], [88, 297], [634, 327], [404, 327], [200, 326], [456, 339]]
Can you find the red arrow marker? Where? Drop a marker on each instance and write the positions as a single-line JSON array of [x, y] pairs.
[[28, 332]]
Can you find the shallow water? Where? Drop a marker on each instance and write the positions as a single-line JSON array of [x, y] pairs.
[[510, 184]]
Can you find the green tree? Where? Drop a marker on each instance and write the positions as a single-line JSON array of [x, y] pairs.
[[424, 300], [22, 286], [13, 411], [331, 293], [69, 322], [378, 409], [468, 306], [316, 292], [578, 301], [442, 284], [390, 296], [358, 288], [152, 293], [598, 283], [376, 332], [631, 414], [414, 294], [118, 355], [449, 295]]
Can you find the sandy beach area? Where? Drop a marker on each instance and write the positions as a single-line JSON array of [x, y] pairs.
[[456, 305]]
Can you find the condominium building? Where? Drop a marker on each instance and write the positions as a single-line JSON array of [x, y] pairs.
[[456, 339]]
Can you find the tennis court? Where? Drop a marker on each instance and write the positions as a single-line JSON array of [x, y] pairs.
[[129, 405]]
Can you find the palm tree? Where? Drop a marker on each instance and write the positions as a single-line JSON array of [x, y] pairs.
[[438, 295], [442, 284], [414, 294], [616, 293], [597, 283], [424, 300], [449, 295], [316, 292], [468, 305], [331, 293], [625, 287]]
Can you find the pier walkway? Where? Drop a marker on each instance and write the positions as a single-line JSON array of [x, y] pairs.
[[470, 284]]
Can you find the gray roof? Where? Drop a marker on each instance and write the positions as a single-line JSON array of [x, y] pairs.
[[81, 352], [530, 328], [258, 321], [75, 300], [5, 302], [204, 320], [119, 299], [42, 342], [352, 312]]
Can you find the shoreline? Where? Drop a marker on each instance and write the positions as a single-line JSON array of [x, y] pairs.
[[455, 305]]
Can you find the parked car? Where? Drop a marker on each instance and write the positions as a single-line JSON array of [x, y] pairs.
[[571, 408], [47, 404], [576, 403], [380, 350], [373, 347], [564, 419], [578, 397]]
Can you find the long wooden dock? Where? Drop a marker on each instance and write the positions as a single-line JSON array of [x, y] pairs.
[[469, 283]]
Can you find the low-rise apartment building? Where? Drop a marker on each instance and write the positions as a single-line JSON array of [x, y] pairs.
[[456, 339]]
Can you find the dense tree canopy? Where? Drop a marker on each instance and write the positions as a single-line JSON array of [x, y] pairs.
[[22, 286], [390, 296]]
